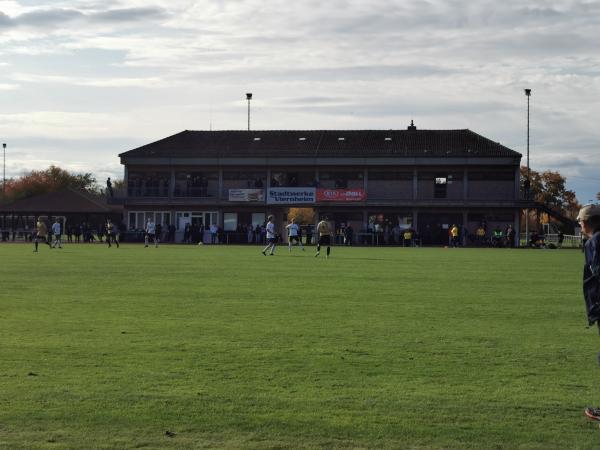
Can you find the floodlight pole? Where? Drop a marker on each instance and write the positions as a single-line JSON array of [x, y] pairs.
[[528, 180], [4, 172], [249, 97]]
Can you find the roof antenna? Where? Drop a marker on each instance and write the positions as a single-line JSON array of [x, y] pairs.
[[412, 126]]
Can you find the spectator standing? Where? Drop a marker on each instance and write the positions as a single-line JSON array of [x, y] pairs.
[[510, 236], [213, 233], [480, 236], [158, 232], [408, 237], [250, 233], [150, 233], [348, 235], [186, 233], [454, 234], [561, 238], [309, 233]]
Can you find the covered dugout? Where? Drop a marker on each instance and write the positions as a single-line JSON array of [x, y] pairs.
[[72, 207]]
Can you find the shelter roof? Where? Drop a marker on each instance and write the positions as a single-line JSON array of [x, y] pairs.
[[65, 201]]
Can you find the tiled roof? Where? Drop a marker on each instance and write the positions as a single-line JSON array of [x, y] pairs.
[[323, 143], [60, 202]]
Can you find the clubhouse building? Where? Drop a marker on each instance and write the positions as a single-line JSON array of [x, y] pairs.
[[426, 180]]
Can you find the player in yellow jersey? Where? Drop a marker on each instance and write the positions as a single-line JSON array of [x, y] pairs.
[[41, 234], [324, 232]]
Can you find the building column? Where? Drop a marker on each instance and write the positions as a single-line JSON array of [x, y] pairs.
[[220, 188], [517, 227], [172, 184], [517, 183], [415, 184], [465, 221], [415, 219], [126, 181], [465, 184]]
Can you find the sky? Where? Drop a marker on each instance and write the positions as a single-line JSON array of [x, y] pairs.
[[84, 80]]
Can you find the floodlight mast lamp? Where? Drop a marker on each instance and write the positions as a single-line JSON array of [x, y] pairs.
[[528, 179], [249, 97]]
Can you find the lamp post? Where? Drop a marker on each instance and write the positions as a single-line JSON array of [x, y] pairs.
[[249, 97], [528, 179]]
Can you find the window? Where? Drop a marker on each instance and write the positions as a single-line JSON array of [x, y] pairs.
[[138, 219], [440, 186], [230, 221]]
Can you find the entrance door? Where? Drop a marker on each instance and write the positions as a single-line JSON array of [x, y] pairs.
[[433, 228]]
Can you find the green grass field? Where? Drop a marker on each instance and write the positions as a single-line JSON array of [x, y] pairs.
[[225, 348]]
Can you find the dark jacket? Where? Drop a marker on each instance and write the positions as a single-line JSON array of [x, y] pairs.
[[591, 278]]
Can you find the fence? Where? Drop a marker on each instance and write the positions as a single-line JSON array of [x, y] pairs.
[[569, 240]]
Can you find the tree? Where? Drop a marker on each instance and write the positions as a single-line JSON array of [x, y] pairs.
[[549, 188], [303, 216], [51, 179]]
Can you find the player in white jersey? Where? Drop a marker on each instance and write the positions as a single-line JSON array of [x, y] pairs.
[[294, 234], [271, 237], [150, 233]]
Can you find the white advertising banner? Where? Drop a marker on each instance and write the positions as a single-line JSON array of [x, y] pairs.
[[291, 195], [246, 195]]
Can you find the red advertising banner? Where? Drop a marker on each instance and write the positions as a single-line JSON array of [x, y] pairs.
[[341, 195]]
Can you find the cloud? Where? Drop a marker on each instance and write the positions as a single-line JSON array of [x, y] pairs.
[[147, 82], [128, 15], [52, 18], [46, 18]]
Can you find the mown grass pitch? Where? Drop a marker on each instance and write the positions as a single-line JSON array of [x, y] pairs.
[[225, 348]]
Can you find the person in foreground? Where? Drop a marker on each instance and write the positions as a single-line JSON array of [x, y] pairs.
[[589, 219]]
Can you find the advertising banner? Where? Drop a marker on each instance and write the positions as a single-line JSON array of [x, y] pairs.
[[291, 195], [246, 195], [341, 195]]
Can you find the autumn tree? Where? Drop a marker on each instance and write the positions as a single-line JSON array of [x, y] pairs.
[[549, 188], [303, 216], [51, 179]]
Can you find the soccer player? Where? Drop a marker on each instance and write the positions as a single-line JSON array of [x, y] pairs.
[[324, 232], [41, 233], [150, 233], [271, 237], [293, 234], [111, 233], [56, 231]]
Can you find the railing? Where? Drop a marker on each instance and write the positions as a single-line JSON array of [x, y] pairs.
[[569, 240]]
